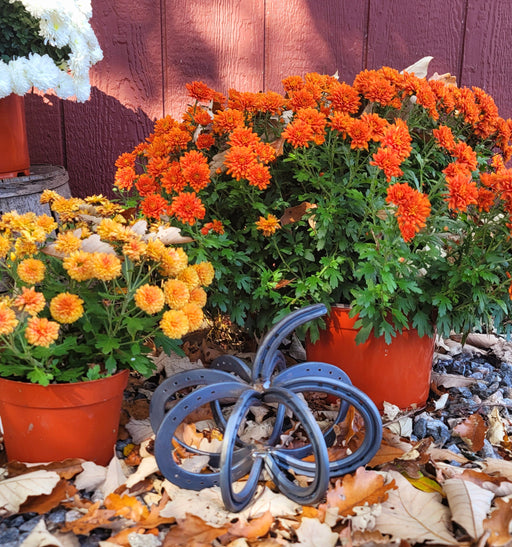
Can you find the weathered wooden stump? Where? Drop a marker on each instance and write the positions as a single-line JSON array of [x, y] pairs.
[[22, 194]]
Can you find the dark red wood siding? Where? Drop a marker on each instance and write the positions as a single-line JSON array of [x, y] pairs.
[[153, 47]]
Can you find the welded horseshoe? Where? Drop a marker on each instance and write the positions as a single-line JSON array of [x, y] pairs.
[[236, 501], [164, 447]]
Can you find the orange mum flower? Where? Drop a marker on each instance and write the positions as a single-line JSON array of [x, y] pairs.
[[238, 159], [149, 298], [172, 180], [301, 98], [258, 175], [187, 208], [342, 122], [226, 120], [176, 293], [243, 136], [465, 155], [66, 307], [215, 226], [199, 91], [298, 133], [174, 324], [146, 185], [154, 206], [387, 160], [485, 199], [205, 141], [30, 301], [41, 332], [202, 117], [8, 321], [360, 134], [268, 225], [376, 125], [445, 138], [375, 87], [292, 83], [79, 265], [124, 178], [106, 266], [462, 192], [413, 209], [31, 270], [126, 159], [397, 138], [194, 315], [195, 169], [344, 98], [134, 249]]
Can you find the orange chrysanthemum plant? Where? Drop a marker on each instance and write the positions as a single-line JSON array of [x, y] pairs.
[[390, 194], [92, 293]]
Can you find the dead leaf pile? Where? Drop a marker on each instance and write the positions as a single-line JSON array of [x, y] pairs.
[[414, 491]]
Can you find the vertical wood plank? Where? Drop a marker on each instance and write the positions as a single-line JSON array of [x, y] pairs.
[[43, 114], [486, 62], [403, 31], [127, 94], [314, 36], [220, 43]]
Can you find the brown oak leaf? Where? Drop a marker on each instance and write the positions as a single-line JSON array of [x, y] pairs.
[[94, 518], [126, 506], [357, 489], [498, 523], [472, 431], [46, 502], [256, 528], [192, 531]]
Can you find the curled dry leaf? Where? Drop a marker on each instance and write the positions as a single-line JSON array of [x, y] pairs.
[[410, 514], [46, 502], [469, 504], [363, 487], [256, 528], [472, 431], [498, 524], [294, 214], [14, 491], [126, 506], [313, 532], [192, 528], [94, 518]]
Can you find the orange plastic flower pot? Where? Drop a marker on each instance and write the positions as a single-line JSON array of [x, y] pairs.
[[398, 373], [55, 422], [14, 158]]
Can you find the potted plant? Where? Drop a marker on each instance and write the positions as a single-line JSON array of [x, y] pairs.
[[85, 300], [49, 46], [389, 195]]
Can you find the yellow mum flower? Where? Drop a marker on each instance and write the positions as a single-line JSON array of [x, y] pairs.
[[47, 223], [24, 247], [205, 272], [150, 298], [134, 249], [176, 293], [198, 297], [110, 230], [66, 307], [190, 277], [194, 315], [79, 265], [48, 196], [173, 261], [155, 249], [5, 246], [174, 324], [31, 270], [30, 301], [8, 320], [67, 243], [106, 266], [41, 332]]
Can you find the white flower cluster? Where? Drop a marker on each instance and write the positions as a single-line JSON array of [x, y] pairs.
[[62, 23]]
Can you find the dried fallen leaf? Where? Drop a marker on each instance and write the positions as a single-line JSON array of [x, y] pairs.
[[94, 518], [451, 380], [46, 502], [66, 469], [469, 504], [312, 532], [146, 467], [413, 515], [498, 524], [126, 506], [194, 529], [358, 489], [472, 431], [92, 476], [294, 214], [385, 454], [14, 491], [40, 537], [497, 429], [254, 529]]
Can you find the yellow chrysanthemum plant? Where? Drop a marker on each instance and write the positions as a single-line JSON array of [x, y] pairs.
[[390, 194], [92, 293]]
